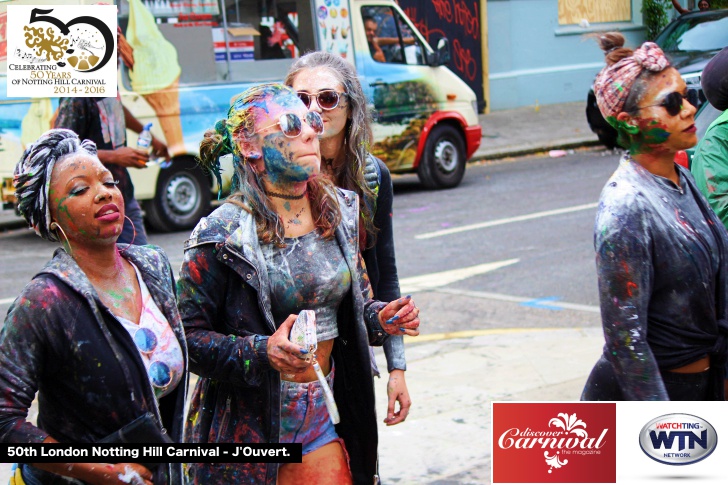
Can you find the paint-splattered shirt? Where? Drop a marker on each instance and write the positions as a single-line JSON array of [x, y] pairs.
[[661, 268], [310, 273]]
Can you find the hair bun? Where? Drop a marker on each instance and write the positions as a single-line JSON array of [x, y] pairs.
[[651, 57], [611, 41]]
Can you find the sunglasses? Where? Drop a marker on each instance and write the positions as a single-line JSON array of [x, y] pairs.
[[159, 373], [327, 99], [673, 103], [292, 125]]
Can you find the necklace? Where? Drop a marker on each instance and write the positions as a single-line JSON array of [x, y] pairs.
[[286, 196]]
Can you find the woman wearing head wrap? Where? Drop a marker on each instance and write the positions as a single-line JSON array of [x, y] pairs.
[[97, 331], [661, 250], [328, 84], [710, 162], [286, 241]]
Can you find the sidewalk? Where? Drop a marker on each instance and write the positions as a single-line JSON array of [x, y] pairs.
[[533, 129], [452, 381]]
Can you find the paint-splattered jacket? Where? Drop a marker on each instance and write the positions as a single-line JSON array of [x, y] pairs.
[[60, 340], [225, 305], [380, 260], [661, 265]]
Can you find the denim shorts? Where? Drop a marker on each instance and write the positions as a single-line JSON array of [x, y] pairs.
[[304, 417]]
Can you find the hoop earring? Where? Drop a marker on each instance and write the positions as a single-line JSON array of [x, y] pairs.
[[133, 228], [55, 227]]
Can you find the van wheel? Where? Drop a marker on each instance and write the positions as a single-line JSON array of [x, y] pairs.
[[182, 197], [443, 162]]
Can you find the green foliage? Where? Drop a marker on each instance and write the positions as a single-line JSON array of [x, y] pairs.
[[655, 16], [719, 4]]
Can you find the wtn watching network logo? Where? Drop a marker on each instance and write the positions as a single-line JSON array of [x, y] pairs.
[[678, 439]]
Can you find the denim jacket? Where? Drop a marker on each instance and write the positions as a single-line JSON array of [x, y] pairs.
[[226, 310], [60, 340]]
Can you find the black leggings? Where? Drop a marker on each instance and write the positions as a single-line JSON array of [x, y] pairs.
[[602, 385]]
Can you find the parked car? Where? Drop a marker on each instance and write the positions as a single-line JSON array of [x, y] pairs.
[[689, 41]]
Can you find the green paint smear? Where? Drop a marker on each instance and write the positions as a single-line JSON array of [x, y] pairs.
[[636, 139]]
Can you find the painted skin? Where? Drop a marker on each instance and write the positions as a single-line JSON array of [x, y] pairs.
[[285, 161], [661, 135], [313, 81], [76, 183], [657, 256]]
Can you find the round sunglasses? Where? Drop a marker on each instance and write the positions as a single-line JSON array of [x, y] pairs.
[[673, 103], [159, 372], [292, 125], [327, 99]]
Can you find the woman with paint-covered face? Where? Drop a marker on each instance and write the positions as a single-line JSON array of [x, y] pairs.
[[661, 250], [97, 331], [286, 241], [328, 85]]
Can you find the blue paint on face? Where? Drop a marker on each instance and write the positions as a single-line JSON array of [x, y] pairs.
[[279, 164]]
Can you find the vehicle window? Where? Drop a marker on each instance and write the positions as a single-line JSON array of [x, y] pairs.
[[695, 34], [390, 38], [216, 46]]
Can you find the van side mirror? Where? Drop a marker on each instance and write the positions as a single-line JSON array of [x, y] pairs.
[[442, 53]]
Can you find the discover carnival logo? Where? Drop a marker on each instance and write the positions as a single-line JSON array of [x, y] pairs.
[[574, 442], [678, 439], [66, 50]]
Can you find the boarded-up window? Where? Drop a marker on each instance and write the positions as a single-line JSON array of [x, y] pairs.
[[594, 11]]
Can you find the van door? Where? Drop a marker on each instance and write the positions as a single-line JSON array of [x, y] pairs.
[[392, 64]]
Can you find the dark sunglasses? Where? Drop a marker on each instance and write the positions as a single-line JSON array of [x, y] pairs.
[[292, 125], [673, 103], [327, 99], [159, 372]]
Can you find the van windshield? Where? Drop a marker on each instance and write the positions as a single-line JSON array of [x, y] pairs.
[[206, 44]]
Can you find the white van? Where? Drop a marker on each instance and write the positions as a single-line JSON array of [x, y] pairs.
[[201, 55]]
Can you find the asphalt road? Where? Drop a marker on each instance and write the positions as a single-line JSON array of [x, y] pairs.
[[513, 231]]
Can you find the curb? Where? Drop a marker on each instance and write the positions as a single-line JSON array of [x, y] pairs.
[[521, 150]]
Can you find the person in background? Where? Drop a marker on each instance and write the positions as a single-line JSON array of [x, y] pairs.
[[104, 121], [710, 162], [662, 253], [96, 332], [328, 85], [286, 241], [703, 5], [370, 29]]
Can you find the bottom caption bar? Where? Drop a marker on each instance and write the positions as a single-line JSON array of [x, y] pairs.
[[173, 453]]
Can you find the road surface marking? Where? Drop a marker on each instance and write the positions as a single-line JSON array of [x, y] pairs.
[[486, 331], [443, 278], [508, 220], [560, 305], [543, 303]]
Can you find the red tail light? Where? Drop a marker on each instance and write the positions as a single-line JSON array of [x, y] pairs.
[[681, 158]]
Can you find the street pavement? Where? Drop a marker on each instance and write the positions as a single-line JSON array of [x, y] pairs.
[[454, 377]]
